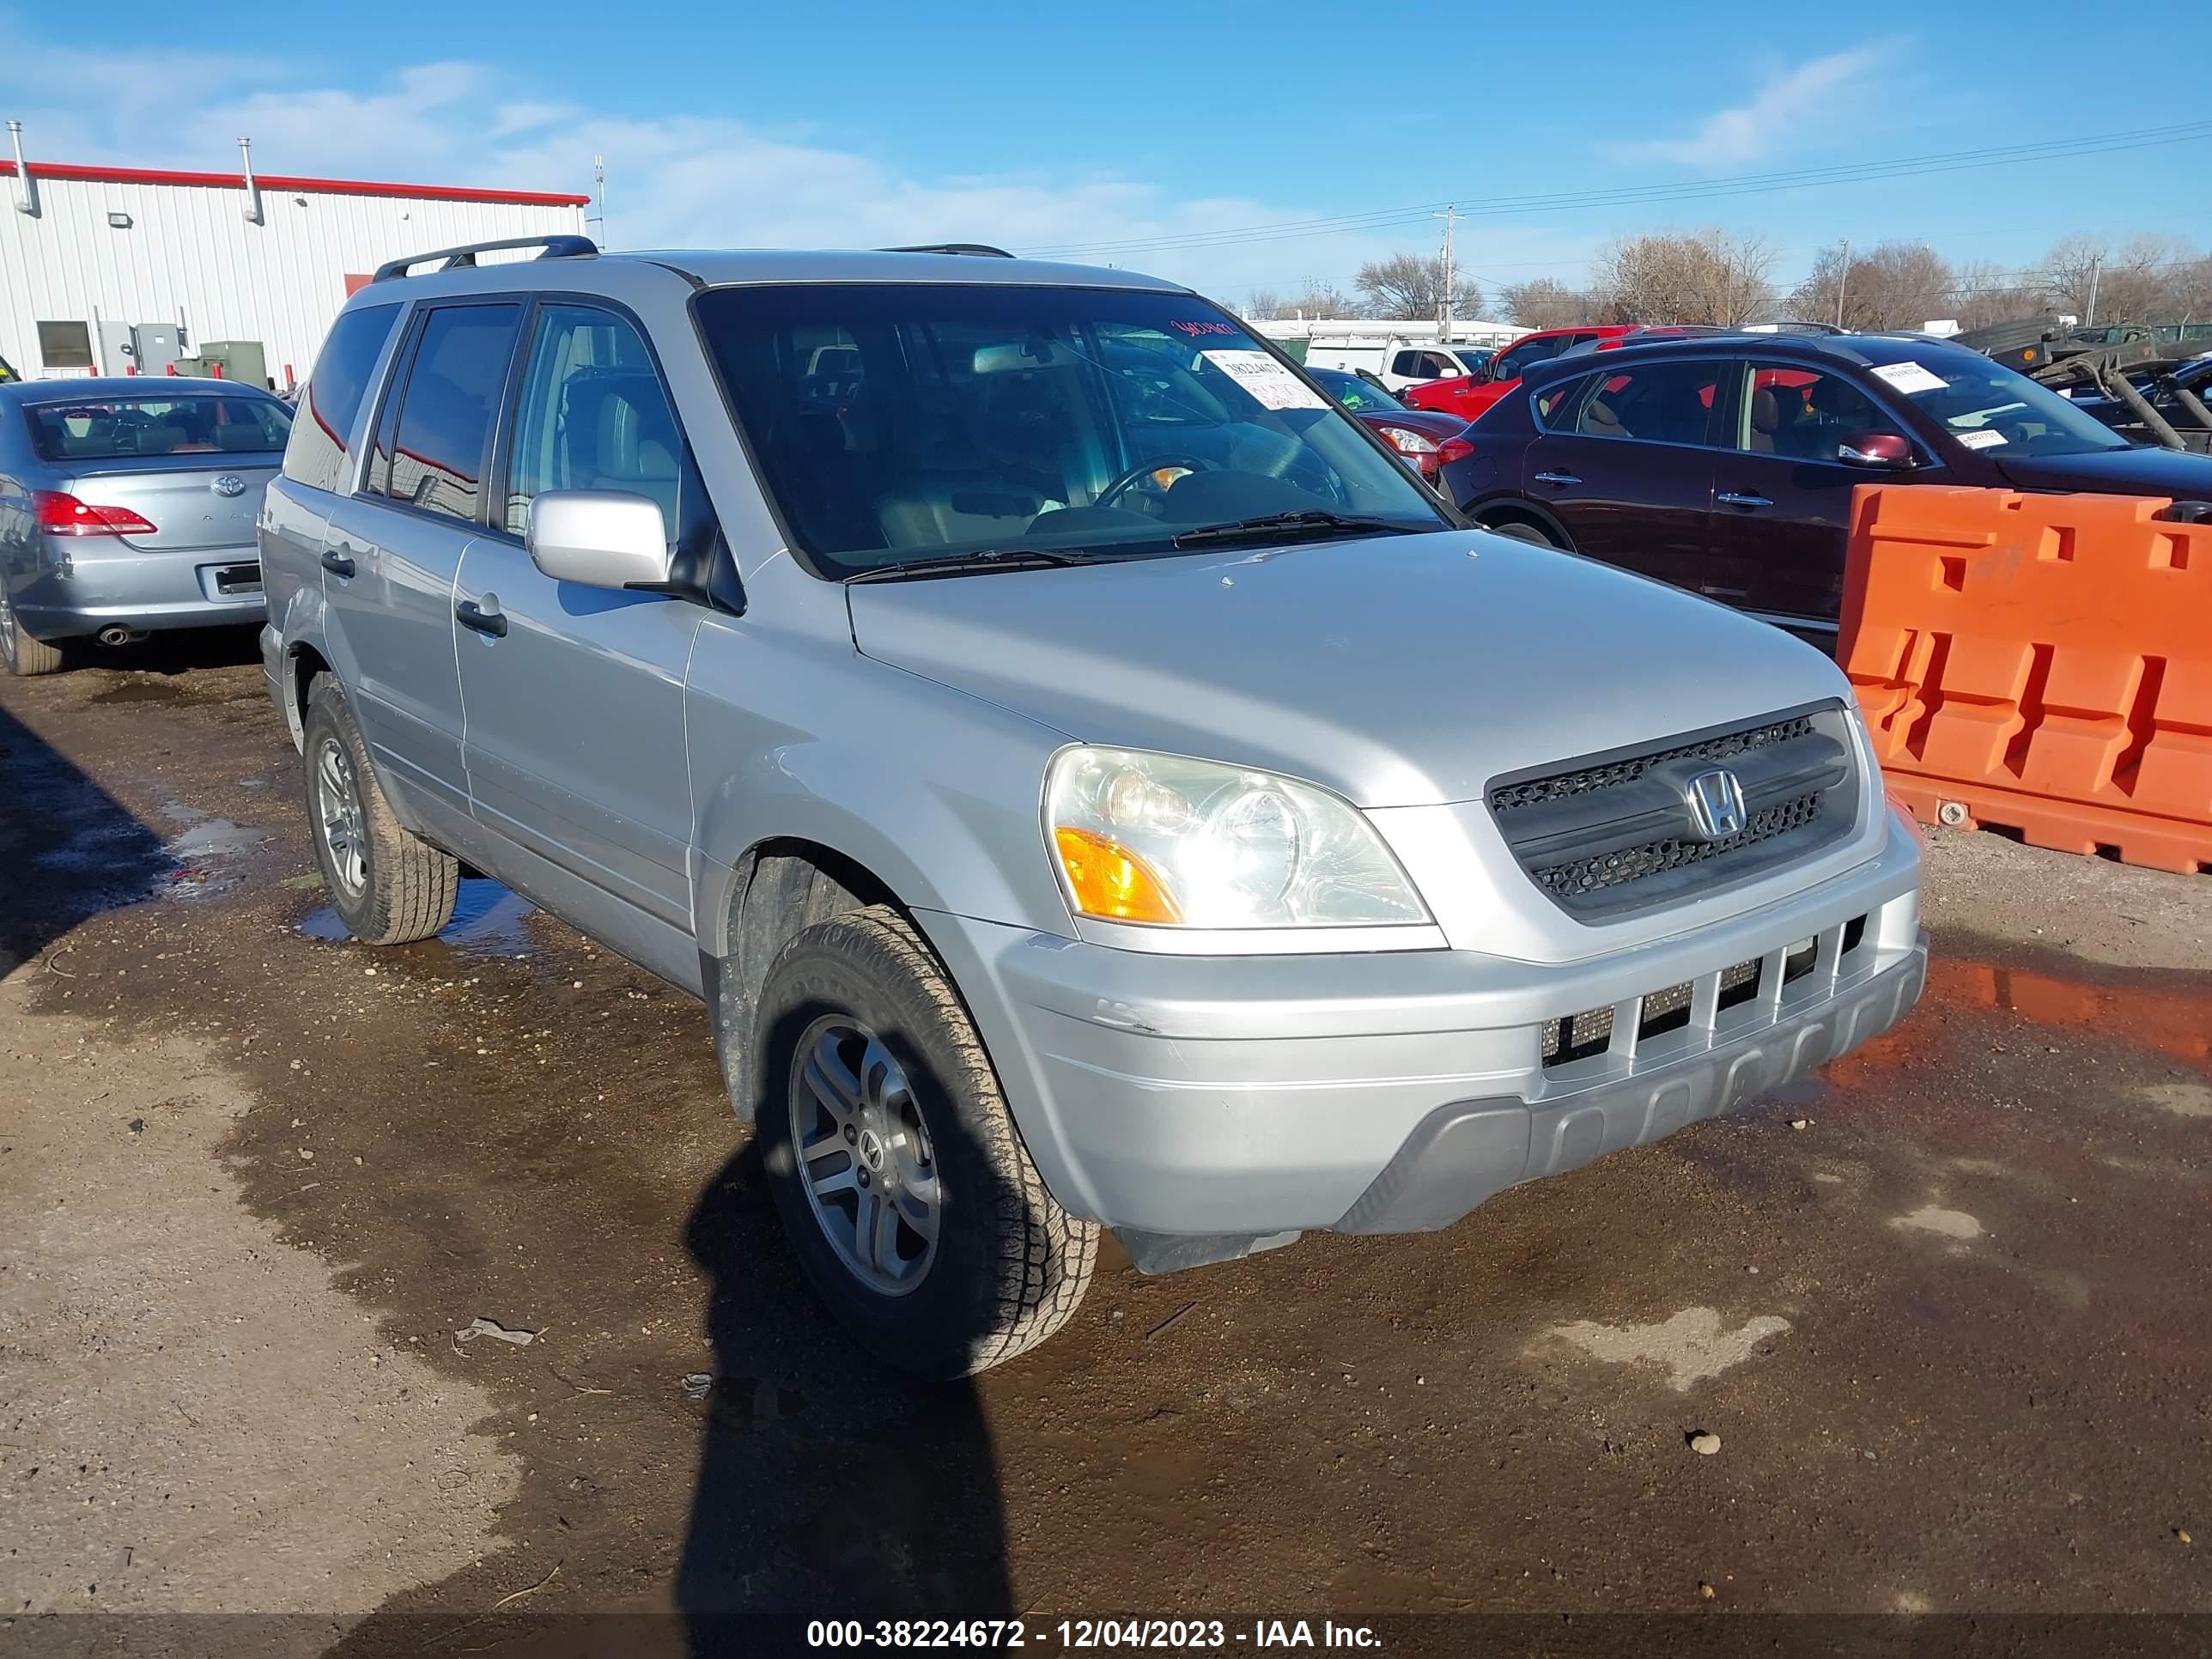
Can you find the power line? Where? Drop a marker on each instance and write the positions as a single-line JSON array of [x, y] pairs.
[[1634, 195]]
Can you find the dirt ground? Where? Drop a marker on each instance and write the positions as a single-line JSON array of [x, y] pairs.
[[1945, 1309]]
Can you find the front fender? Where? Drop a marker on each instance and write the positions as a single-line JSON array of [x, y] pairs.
[[936, 793]]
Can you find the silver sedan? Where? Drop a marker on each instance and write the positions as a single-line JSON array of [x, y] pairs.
[[128, 505]]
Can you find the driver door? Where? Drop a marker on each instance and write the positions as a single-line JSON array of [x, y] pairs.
[[1782, 495]]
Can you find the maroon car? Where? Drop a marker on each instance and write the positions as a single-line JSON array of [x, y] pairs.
[[1429, 441], [1725, 464]]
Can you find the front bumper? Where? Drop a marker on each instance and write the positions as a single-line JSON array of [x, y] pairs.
[[1181, 1100], [87, 584]]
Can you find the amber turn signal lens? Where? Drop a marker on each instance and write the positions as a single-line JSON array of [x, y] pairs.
[[1109, 881]]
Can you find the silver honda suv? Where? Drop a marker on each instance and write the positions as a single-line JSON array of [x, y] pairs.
[[1089, 780]]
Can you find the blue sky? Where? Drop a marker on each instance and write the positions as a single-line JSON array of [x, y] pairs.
[[839, 123]]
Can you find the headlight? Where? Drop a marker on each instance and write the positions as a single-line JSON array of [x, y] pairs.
[[1192, 843]]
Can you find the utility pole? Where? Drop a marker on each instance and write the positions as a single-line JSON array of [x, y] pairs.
[[1843, 281], [1445, 309], [599, 189], [2096, 270]]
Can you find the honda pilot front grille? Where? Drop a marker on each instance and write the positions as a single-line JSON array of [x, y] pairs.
[[1621, 833]]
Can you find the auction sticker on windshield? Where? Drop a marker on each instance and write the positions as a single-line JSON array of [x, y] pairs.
[[1267, 380], [1984, 439], [1911, 378]]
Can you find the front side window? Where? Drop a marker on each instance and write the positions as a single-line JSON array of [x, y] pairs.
[[336, 386], [109, 428], [1983, 406], [893, 422], [1806, 414], [1667, 402], [443, 429], [593, 414]]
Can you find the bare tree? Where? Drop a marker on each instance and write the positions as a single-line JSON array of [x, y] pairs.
[[2189, 291], [1315, 300], [1410, 288], [1983, 293], [1896, 285], [2072, 273], [1543, 303], [1705, 276]]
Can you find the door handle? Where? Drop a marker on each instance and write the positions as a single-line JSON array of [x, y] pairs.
[[338, 564], [1557, 478], [1733, 498], [470, 614], [1713, 591]]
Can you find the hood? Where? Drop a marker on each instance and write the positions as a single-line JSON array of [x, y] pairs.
[[1399, 670], [2139, 471]]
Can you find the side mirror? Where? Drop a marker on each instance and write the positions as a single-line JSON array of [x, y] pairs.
[[599, 538], [1882, 452]]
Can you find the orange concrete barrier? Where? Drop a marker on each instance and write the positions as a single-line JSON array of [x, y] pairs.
[[2042, 663]]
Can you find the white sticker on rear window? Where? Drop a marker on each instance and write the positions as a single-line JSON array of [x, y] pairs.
[[1984, 439], [1911, 379], [1267, 380]]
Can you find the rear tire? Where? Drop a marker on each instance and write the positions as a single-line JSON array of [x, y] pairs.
[[388, 886], [1520, 530], [859, 1005], [24, 655]]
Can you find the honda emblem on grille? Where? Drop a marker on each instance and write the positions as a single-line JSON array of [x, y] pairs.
[[229, 483], [1716, 801]]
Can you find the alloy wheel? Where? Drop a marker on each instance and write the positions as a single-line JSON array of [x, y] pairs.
[[337, 805], [864, 1155]]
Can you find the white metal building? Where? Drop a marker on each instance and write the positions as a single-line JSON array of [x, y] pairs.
[[101, 267]]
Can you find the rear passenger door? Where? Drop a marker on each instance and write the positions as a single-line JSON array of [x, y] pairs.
[[320, 458], [394, 548], [574, 696], [1626, 462]]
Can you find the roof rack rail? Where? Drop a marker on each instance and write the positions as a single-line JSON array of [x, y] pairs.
[[464, 256], [979, 250]]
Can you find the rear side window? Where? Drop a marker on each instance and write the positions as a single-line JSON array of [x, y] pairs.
[[443, 434], [1658, 403], [111, 427], [336, 386], [1553, 406]]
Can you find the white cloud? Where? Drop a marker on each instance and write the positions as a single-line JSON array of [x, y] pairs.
[[1807, 101], [684, 180], [674, 180]]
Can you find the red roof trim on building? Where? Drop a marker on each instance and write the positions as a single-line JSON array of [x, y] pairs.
[[278, 181]]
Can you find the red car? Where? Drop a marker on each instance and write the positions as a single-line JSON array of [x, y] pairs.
[[1429, 442], [1468, 395]]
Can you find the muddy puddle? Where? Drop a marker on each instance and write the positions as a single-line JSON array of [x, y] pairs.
[[489, 920]]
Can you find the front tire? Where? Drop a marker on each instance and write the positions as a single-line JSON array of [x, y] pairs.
[[388, 886], [893, 1164]]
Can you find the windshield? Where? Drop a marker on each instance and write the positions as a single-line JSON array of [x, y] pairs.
[[896, 422], [1984, 407], [1360, 397], [105, 429]]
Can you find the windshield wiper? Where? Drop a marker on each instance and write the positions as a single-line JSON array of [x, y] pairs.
[[1273, 526], [975, 564]]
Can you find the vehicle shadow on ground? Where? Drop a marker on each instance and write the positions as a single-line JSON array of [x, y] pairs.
[[68, 850], [871, 1493]]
